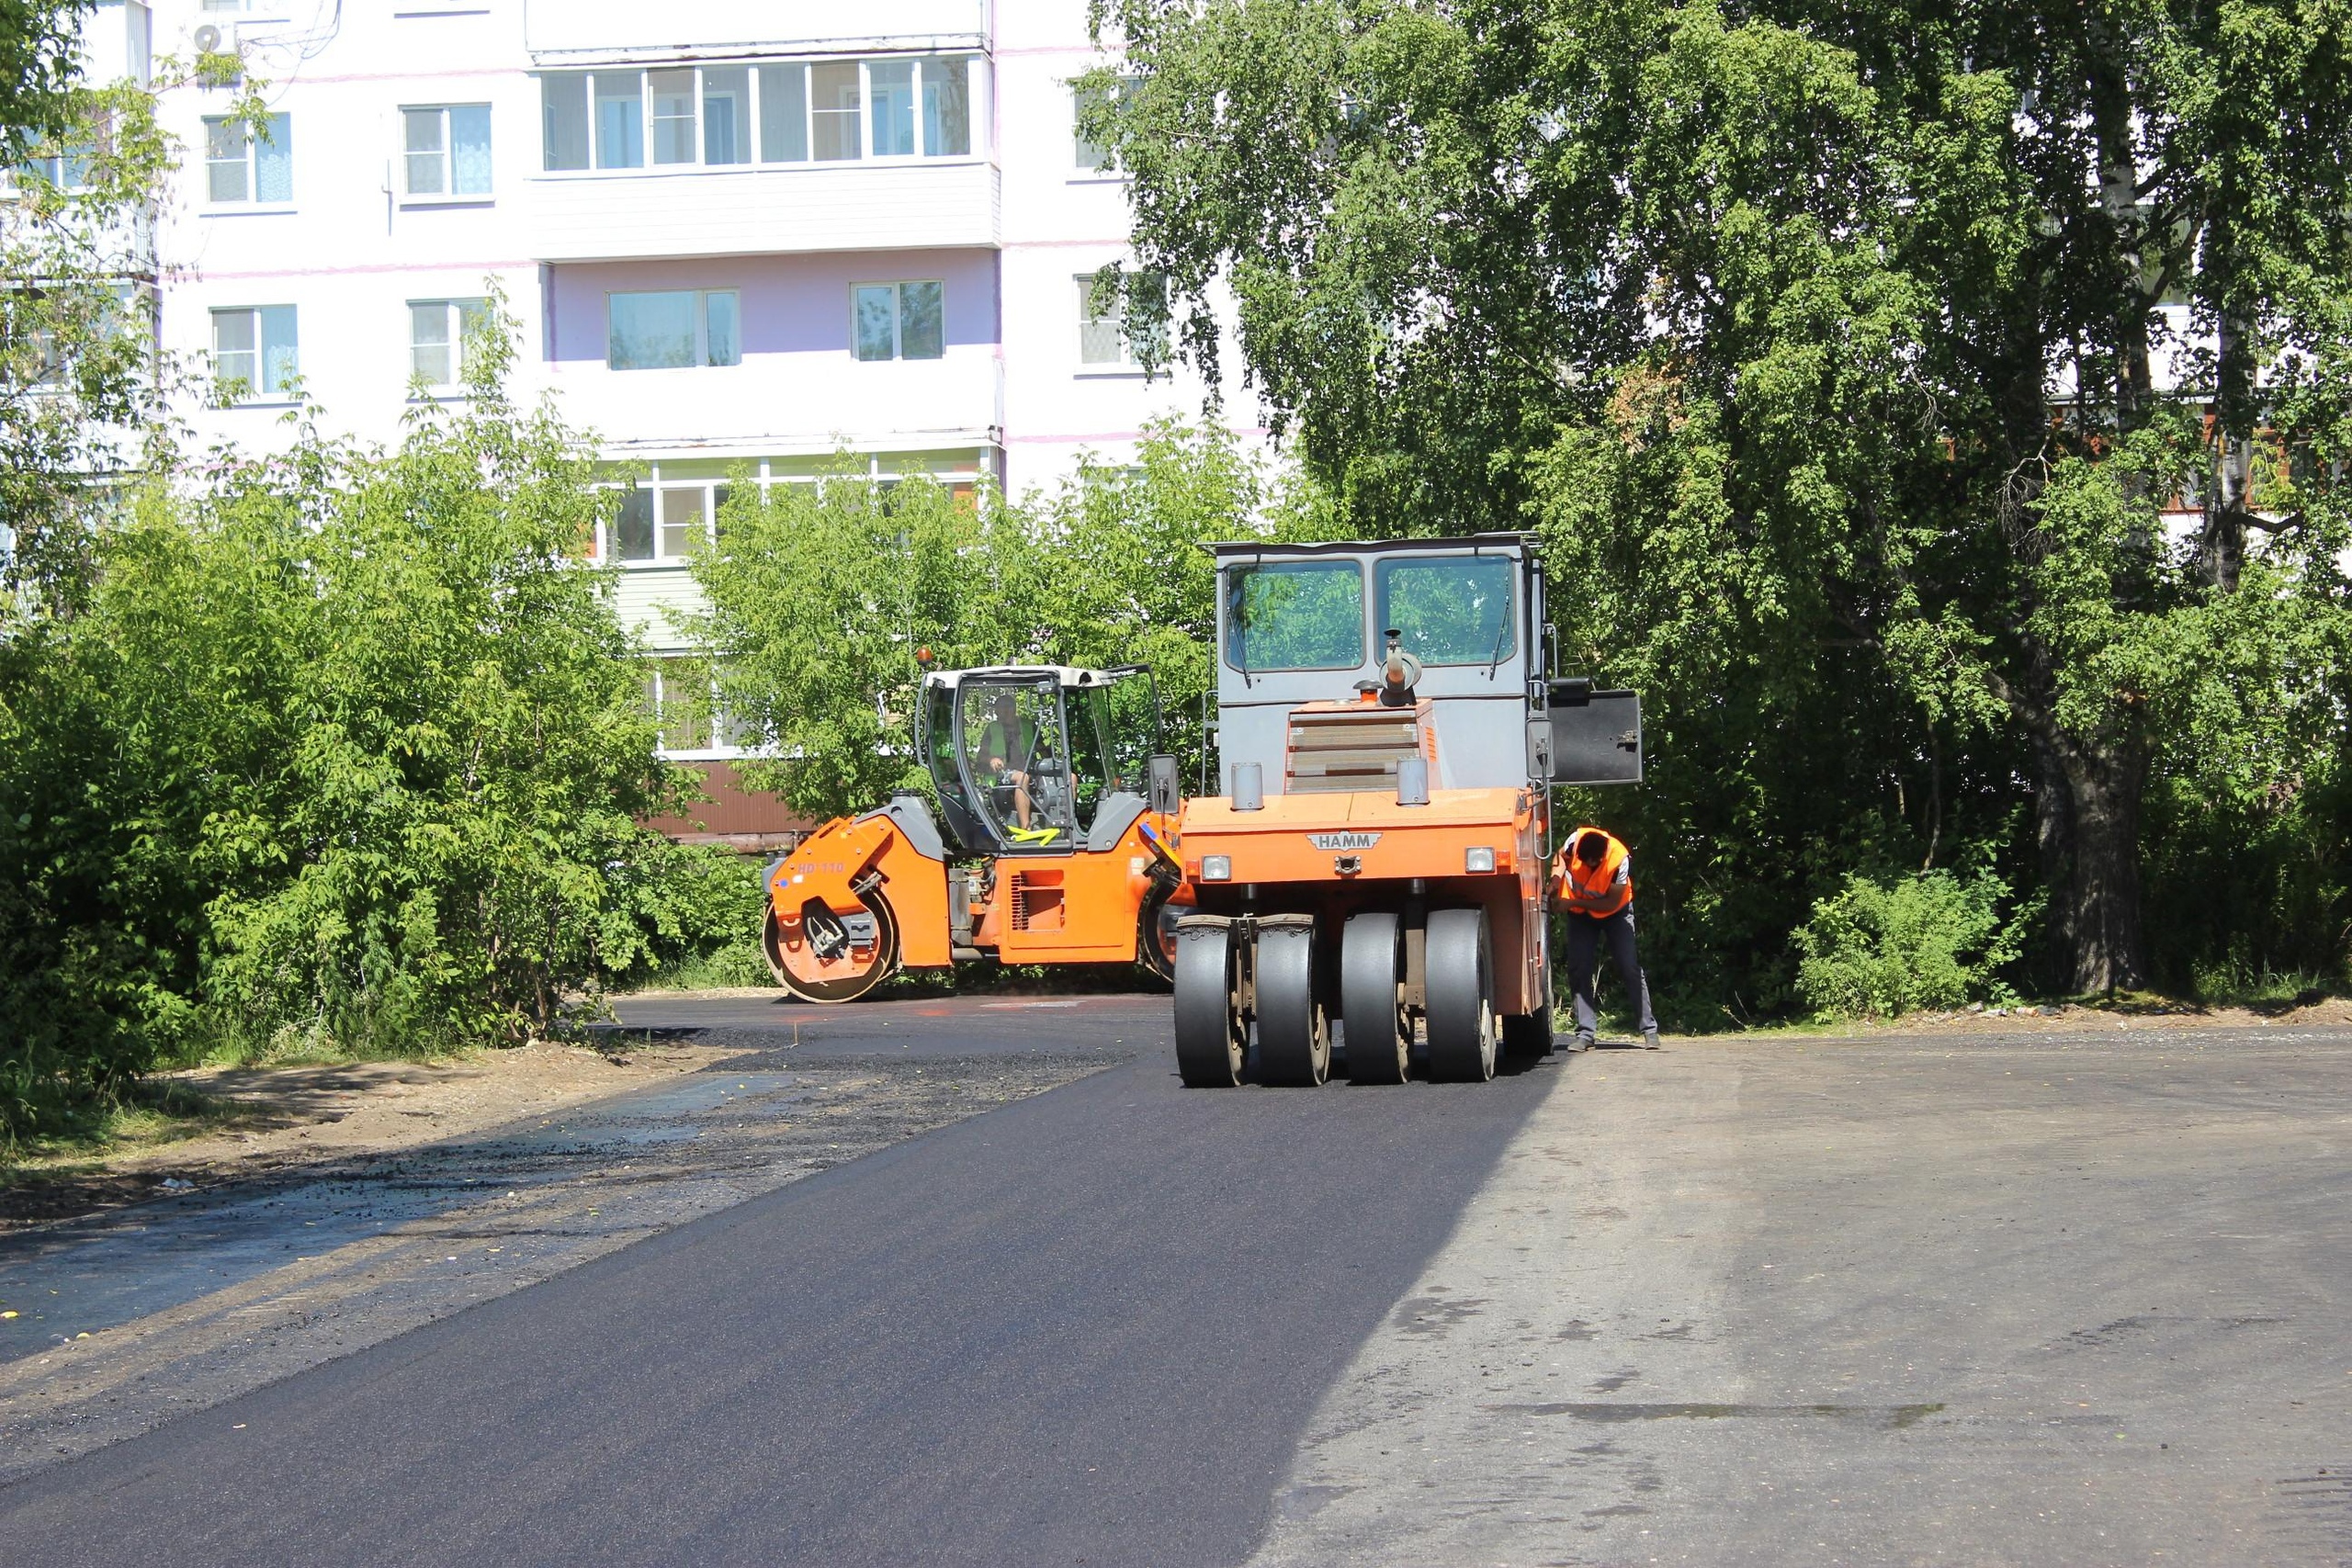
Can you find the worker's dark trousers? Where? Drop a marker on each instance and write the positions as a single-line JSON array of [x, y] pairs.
[[1585, 935]]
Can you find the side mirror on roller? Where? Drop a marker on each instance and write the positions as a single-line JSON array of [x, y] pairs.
[[1167, 788]]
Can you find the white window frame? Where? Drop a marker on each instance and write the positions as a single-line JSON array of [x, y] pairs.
[[897, 287], [258, 393], [753, 126], [702, 360], [456, 315], [1106, 171], [448, 195], [251, 200], [1125, 365]]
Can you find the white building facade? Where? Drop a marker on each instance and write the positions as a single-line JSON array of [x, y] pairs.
[[738, 236]]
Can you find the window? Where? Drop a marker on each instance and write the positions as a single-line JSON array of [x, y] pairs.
[[946, 108], [67, 170], [1295, 615], [897, 320], [893, 85], [671, 97], [253, 351], [446, 150], [829, 111], [620, 120], [1450, 609], [833, 98], [672, 329], [241, 165], [662, 522], [563, 121], [1103, 339], [1093, 155], [784, 114], [678, 700], [727, 116], [681, 698], [439, 333]]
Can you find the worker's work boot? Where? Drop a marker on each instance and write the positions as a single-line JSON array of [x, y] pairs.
[[1584, 1041], [1649, 1038]]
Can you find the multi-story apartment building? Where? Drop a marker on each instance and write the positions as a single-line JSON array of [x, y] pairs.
[[740, 237]]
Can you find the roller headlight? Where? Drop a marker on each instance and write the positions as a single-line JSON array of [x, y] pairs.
[[1478, 860], [1216, 868]]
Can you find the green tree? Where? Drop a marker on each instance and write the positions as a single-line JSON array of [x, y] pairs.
[[39, 40], [821, 595], [1823, 345]]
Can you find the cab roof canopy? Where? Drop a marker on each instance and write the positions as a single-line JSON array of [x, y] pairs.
[[1061, 674]]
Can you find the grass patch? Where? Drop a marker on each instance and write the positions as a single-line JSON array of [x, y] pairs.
[[152, 1114]]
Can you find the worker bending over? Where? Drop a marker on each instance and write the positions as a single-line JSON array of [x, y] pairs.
[[1593, 881]]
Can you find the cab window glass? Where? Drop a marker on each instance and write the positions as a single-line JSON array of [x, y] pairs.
[[1295, 615], [1131, 719], [1450, 609], [1014, 757]]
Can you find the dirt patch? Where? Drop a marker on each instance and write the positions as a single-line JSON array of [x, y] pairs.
[[273, 1121]]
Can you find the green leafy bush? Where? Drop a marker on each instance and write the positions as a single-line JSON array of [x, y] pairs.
[[337, 751], [1883, 946]]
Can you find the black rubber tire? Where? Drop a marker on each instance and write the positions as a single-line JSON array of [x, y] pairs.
[[1372, 959], [1156, 934], [1208, 1027], [1528, 1034], [850, 988], [1459, 962], [1293, 1025]]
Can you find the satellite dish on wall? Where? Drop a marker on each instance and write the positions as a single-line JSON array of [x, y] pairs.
[[206, 38]]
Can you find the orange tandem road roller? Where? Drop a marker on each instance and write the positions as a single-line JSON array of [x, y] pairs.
[[1058, 844], [1390, 733]]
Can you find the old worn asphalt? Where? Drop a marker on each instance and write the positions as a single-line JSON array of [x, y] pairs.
[[1939, 1300]]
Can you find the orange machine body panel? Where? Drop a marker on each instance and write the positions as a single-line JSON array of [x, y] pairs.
[[1290, 855], [1080, 908], [1073, 908], [834, 859]]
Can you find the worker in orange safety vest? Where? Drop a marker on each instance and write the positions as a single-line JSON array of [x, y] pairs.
[[1592, 881]]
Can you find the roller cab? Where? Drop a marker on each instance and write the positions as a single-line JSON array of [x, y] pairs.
[[1052, 842]]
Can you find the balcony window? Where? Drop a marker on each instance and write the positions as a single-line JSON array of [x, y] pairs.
[[832, 111], [897, 320], [727, 114], [833, 98], [784, 114], [892, 93], [241, 166], [563, 117], [620, 120], [946, 108], [446, 150], [672, 329], [664, 524], [670, 94], [441, 332], [67, 170], [254, 353]]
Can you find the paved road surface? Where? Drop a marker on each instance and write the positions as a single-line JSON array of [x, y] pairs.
[[2059, 1301]]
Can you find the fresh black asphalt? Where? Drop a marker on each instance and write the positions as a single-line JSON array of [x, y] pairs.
[[1086, 1328]]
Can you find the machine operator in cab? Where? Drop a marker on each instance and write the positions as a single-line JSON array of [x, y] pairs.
[[1592, 881], [1007, 742]]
